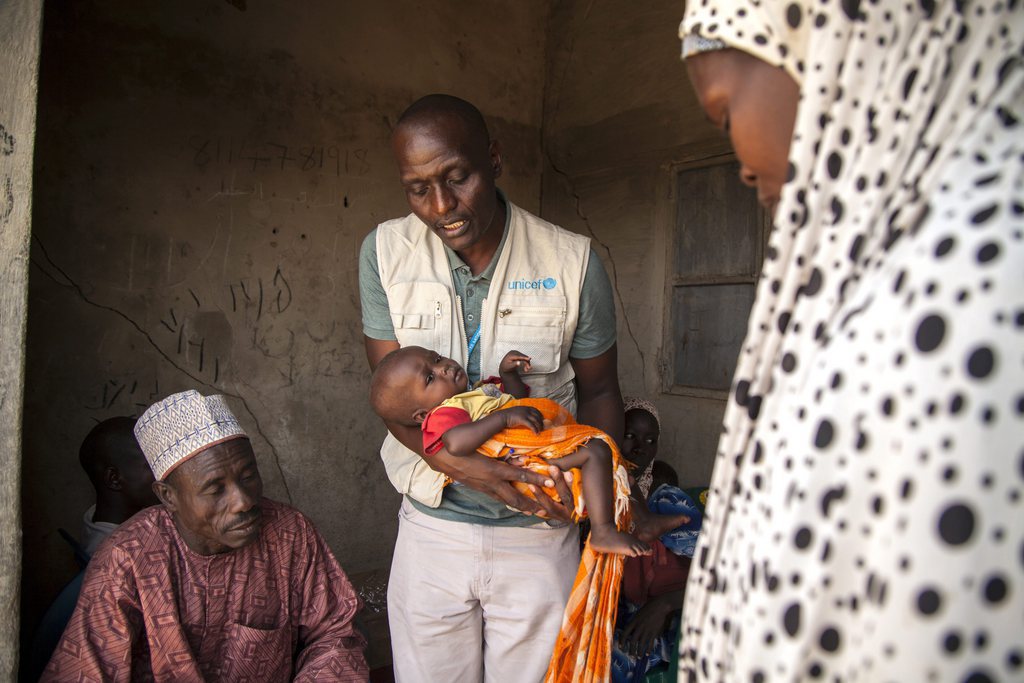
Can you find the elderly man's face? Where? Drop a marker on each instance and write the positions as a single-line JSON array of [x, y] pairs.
[[214, 498], [448, 175]]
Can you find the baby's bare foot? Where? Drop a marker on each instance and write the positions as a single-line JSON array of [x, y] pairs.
[[653, 526], [607, 539]]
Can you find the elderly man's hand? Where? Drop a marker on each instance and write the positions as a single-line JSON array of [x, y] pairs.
[[495, 478]]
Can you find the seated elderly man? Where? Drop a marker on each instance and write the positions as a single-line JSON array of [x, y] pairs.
[[217, 583]]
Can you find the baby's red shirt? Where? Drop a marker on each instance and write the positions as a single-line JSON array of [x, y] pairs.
[[439, 421]]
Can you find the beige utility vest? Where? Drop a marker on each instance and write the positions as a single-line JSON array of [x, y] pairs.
[[532, 306]]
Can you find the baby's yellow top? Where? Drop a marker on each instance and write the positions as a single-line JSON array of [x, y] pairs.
[[478, 402]]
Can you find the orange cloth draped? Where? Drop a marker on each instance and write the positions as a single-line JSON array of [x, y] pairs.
[[583, 650]]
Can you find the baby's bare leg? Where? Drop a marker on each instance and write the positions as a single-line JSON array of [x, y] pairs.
[[599, 492]]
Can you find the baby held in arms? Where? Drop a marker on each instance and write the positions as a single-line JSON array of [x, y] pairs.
[[414, 386]]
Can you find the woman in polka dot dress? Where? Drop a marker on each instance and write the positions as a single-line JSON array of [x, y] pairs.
[[865, 518]]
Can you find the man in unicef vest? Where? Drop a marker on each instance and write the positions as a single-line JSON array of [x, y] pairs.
[[479, 580]]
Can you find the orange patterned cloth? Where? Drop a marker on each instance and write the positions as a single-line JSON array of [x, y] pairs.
[[583, 650]]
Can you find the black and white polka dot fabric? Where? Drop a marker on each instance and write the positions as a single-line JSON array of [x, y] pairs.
[[865, 520]]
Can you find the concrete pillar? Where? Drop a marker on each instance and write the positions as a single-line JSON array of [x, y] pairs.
[[20, 23]]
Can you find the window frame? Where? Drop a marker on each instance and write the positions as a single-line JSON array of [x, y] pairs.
[[675, 280]]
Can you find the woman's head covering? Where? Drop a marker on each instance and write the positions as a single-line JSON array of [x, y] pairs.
[[778, 38], [634, 403], [883, 310], [643, 479], [694, 44]]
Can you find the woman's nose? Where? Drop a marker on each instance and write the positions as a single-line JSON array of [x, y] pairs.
[[748, 177]]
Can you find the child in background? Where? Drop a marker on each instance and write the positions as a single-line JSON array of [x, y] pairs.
[[640, 445], [652, 586], [414, 386]]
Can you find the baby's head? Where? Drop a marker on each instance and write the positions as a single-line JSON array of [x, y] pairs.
[[411, 381]]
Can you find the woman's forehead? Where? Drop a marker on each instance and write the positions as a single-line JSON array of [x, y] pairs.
[[716, 69]]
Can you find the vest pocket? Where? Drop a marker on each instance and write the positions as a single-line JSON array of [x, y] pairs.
[[418, 311], [534, 325], [415, 329]]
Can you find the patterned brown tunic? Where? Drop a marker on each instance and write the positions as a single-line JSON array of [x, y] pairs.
[[152, 610]]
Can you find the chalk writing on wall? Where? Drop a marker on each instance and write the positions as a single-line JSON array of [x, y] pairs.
[[6, 142], [208, 152], [201, 339], [6, 200], [6, 183], [250, 293], [190, 342], [126, 392]]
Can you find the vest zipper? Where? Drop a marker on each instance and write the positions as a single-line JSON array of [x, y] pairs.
[[462, 331], [480, 343]]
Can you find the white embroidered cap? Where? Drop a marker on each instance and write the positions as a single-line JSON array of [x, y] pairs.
[[182, 425]]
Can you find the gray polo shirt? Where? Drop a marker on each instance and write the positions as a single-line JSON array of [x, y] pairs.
[[594, 334]]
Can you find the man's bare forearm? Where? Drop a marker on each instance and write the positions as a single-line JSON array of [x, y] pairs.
[[604, 412], [600, 400]]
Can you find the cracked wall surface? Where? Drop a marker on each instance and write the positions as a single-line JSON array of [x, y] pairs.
[[20, 23], [204, 177], [619, 117], [205, 173]]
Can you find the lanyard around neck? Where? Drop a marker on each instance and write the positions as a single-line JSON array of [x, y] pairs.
[[473, 341]]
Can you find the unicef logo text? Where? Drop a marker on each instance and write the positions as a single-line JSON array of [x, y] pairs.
[[546, 283]]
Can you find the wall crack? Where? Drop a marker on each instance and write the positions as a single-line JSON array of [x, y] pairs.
[[547, 121], [69, 282], [578, 206]]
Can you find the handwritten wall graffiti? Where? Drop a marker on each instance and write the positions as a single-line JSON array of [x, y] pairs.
[[250, 294], [189, 333], [6, 142], [6, 200], [219, 312], [201, 336], [6, 183], [331, 159], [128, 393]]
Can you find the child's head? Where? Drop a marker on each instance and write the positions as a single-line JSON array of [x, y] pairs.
[[410, 382], [640, 438], [662, 473]]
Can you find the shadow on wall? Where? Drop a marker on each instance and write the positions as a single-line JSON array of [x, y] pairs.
[[202, 188], [203, 185]]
